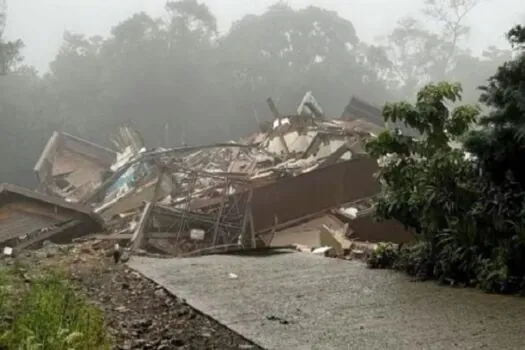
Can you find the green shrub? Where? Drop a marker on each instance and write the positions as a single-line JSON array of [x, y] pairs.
[[47, 313], [469, 213], [384, 256]]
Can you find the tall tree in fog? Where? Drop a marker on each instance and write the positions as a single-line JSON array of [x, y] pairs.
[[419, 55], [153, 72], [21, 101], [285, 52], [75, 84], [450, 15], [9, 50], [175, 74]]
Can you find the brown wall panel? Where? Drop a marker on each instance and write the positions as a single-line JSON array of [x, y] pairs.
[[313, 192]]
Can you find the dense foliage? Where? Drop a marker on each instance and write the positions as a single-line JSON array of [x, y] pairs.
[[179, 81], [467, 204]]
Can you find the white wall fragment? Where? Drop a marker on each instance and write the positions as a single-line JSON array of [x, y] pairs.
[[350, 212], [197, 234], [8, 251]]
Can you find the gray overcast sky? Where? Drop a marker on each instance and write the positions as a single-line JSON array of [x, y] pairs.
[[40, 23]]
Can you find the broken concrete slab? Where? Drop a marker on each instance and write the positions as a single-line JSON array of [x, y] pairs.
[[336, 239]]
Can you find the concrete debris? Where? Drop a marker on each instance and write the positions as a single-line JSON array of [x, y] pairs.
[[8, 251], [353, 251], [326, 251], [213, 198]]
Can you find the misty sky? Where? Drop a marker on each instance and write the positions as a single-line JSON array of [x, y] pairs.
[[41, 23]]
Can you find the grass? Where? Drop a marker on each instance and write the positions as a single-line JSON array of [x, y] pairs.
[[44, 312]]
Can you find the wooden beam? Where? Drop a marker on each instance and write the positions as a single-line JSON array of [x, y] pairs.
[[137, 238], [138, 235]]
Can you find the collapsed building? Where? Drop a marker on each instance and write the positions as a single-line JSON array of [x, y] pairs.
[[297, 178]]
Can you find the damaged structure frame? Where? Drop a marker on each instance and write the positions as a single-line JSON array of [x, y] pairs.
[[236, 195]]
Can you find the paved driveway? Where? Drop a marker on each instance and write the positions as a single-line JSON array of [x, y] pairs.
[[301, 301]]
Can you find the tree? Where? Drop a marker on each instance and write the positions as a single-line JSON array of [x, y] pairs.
[[20, 102], [175, 76], [418, 175], [412, 50], [284, 52], [450, 15], [75, 84], [474, 71], [191, 22], [156, 73], [469, 208], [419, 55], [9, 51], [500, 144], [201, 87]]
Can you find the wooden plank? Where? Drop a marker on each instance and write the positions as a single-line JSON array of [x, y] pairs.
[[138, 235], [136, 238]]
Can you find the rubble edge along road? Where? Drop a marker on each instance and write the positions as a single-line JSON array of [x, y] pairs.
[[138, 313]]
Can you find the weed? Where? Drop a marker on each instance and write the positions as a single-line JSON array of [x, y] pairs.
[[46, 313]]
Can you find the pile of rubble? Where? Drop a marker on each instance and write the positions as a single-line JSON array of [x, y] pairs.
[[294, 174]]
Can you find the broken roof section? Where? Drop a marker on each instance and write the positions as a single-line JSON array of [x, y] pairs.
[[359, 109], [70, 167], [28, 217]]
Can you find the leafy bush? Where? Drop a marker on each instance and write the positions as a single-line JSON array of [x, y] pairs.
[[46, 313], [384, 256], [468, 208]]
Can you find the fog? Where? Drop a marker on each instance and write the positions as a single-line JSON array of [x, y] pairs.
[[200, 71], [372, 18]]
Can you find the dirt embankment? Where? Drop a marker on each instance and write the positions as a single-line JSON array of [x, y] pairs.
[[138, 313]]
